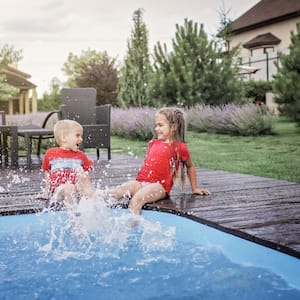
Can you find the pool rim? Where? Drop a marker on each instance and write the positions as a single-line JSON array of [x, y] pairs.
[[188, 215]]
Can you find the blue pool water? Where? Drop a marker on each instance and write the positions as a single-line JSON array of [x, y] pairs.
[[95, 254]]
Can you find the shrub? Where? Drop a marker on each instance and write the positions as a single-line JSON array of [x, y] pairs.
[[247, 119], [133, 122]]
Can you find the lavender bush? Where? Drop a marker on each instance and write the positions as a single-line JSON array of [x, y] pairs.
[[138, 123], [31, 118], [135, 123], [247, 119]]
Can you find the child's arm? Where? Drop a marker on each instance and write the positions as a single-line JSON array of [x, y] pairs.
[[191, 172]]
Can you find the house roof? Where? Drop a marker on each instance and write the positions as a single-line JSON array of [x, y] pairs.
[[262, 39], [17, 78], [266, 12]]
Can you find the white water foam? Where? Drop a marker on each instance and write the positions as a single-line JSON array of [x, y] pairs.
[[91, 228]]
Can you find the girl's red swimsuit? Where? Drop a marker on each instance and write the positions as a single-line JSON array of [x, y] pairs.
[[161, 157]]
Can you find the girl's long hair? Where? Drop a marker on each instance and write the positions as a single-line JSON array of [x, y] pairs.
[[175, 117]]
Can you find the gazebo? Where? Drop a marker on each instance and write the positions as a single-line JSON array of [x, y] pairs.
[[26, 101]]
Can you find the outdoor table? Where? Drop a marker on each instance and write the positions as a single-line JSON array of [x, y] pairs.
[[12, 131], [29, 132]]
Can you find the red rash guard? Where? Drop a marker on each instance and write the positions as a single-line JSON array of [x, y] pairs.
[[160, 159], [62, 165]]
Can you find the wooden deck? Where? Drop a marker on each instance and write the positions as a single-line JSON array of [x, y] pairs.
[[262, 210]]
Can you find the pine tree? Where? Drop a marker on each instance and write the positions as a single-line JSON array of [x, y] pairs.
[[287, 81], [134, 75], [196, 71]]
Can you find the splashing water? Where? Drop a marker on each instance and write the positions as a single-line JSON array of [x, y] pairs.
[[91, 229]]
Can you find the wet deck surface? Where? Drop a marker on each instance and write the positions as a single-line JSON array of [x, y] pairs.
[[259, 209]]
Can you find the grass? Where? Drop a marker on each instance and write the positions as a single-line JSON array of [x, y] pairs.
[[275, 156]]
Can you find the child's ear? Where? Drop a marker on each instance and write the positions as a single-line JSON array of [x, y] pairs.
[[173, 127]]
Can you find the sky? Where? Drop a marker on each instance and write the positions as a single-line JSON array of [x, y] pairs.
[[48, 30]]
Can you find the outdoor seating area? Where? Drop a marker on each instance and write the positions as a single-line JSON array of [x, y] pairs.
[[77, 104]]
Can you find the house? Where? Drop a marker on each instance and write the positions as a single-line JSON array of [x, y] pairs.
[[262, 33], [26, 100]]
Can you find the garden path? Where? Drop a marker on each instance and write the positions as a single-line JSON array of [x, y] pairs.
[[262, 210]]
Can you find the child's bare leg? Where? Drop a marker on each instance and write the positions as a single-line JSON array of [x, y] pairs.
[[130, 187], [149, 193], [84, 185], [65, 193]]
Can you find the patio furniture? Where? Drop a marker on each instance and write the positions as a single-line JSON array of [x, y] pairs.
[[6, 132], [29, 133], [79, 104]]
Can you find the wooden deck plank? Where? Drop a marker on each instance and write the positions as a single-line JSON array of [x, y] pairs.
[[263, 210]]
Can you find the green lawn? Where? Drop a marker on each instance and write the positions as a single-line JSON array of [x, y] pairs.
[[275, 156]]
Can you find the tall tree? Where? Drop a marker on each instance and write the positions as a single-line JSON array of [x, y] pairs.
[[134, 75], [93, 69], [103, 76], [196, 71], [287, 81], [51, 100], [8, 55], [72, 68]]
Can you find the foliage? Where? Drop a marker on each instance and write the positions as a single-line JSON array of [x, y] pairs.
[[134, 75], [93, 69], [51, 101], [256, 89], [8, 55], [287, 80], [247, 119], [36, 118], [103, 76], [133, 123], [224, 32], [196, 71], [233, 119]]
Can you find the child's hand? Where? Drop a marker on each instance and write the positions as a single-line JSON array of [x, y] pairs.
[[203, 192]]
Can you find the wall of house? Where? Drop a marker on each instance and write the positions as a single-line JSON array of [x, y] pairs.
[[258, 58], [281, 30]]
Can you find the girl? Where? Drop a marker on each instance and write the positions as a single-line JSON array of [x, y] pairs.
[[165, 154]]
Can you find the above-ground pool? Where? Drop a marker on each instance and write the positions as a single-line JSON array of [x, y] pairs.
[[95, 253]]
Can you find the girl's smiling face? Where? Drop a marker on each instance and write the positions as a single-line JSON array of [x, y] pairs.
[[162, 128]]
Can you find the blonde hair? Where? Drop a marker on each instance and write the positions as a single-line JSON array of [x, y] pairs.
[[63, 127], [175, 116]]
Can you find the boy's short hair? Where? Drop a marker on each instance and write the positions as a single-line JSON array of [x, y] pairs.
[[63, 127]]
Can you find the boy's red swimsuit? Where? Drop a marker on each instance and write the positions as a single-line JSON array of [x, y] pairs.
[[62, 165], [159, 161]]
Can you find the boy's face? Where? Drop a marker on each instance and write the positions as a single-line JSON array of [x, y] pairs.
[[72, 140]]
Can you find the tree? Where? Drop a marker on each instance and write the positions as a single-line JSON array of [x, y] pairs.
[[196, 71], [134, 75], [287, 81], [103, 76], [51, 101], [8, 55], [93, 69]]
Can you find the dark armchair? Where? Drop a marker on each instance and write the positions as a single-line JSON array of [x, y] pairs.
[[79, 104]]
